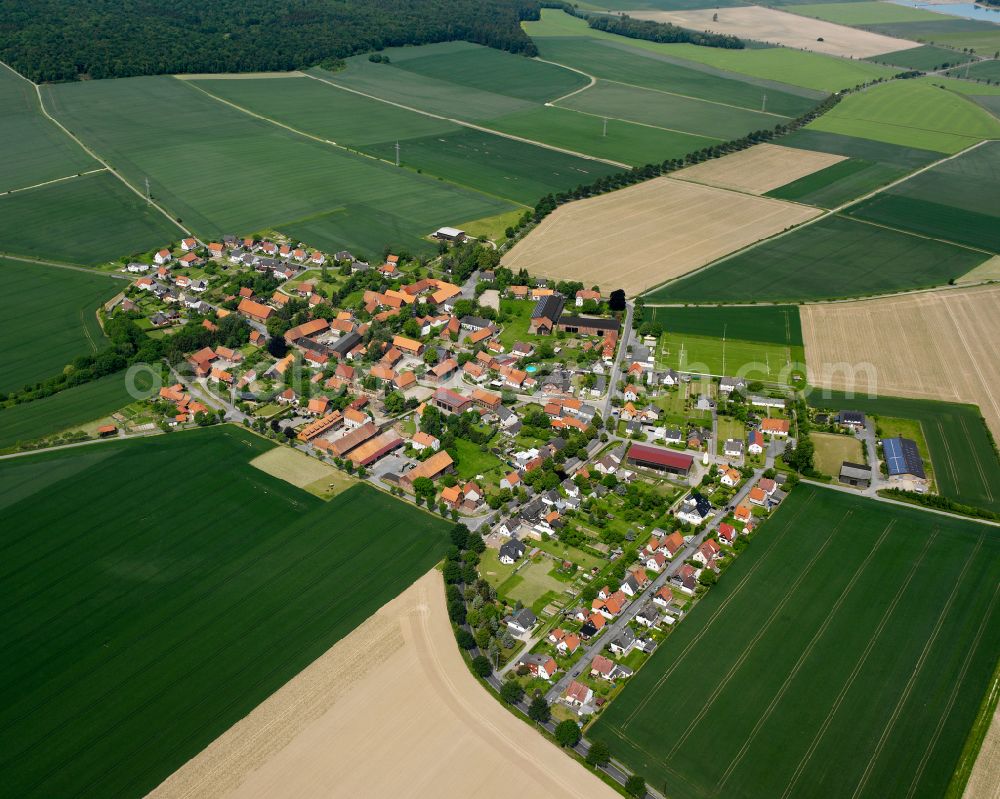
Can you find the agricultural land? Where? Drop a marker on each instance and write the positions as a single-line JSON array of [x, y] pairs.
[[760, 169], [797, 677], [48, 317], [170, 614], [706, 223]]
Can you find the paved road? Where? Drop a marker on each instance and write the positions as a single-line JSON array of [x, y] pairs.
[[613, 629], [617, 368]]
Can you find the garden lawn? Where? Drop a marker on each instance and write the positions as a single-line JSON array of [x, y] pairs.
[[910, 114], [494, 164], [832, 449], [141, 626], [834, 257], [472, 461], [731, 428], [859, 673], [776, 65], [572, 554], [34, 149], [48, 316], [532, 585], [966, 466], [87, 220], [223, 171]]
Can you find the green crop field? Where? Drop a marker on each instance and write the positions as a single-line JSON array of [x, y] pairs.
[[753, 360], [488, 70], [66, 410], [48, 316], [494, 164], [956, 200], [779, 65], [34, 149], [927, 57], [864, 14], [983, 37], [624, 142], [615, 61], [966, 465], [913, 115], [774, 324], [845, 653], [981, 70], [143, 618], [223, 171], [960, 86], [832, 258], [870, 164], [86, 220], [652, 107]]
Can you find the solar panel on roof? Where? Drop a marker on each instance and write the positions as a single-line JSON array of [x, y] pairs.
[[902, 457]]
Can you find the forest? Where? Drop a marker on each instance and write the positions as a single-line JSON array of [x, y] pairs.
[[66, 40], [662, 32]]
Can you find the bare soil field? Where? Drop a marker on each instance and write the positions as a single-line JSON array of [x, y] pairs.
[[642, 236], [935, 345], [780, 27], [297, 468], [759, 169], [390, 711]]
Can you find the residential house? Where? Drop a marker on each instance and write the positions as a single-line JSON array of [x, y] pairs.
[[522, 622], [542, 666], [511, 552]]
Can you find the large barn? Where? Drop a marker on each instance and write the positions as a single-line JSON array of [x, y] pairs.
[[663, 460], [902, 458]]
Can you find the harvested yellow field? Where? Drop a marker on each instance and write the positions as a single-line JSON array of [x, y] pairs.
[[984, 782], [990, 270], [780, 27], [389, 711], [642, 236], [294, 467], [758, 169], [937, 345]]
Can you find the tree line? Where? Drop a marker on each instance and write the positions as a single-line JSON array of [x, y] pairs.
[[663, 32], [65, 40]]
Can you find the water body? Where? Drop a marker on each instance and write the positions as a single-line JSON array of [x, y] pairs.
[[964, 10]]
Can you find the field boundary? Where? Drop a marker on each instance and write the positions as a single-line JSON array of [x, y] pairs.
[[55, 180], [470, 125], [593, 80], [824, 215], [92, 153]]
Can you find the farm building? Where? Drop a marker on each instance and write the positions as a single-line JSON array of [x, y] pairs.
[[663, 460], [587, 325], [902, 458], [449, 234], [855, 474], [254, 310], [355, 438], [375, 448], [451, 401], [433, 467], [546, 313]]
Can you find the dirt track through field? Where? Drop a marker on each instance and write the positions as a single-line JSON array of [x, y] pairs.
[[935, 345], [642, 236], [759, 169], [780, 27], [390, 711]]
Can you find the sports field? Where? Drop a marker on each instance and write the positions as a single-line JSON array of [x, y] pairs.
[[34, 149], [666, 227], [935, 345], [497, 165], [87, 220], [775, 324], [67, 410], [752, 360], [779, 27], [834, 257], [955, 201], [221, 170], [48, 316], [912, 115], [776, 65], [869, 165], [858, 671], [144, 618]]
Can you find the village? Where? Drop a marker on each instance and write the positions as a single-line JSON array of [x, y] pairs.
[[610, 494]]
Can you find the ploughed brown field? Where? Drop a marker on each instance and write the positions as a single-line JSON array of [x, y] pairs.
[[935, 345], [780, 27], [758, 169], [389, 711], [647, 234]]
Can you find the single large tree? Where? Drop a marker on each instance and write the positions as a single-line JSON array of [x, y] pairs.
[[568, 733]]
